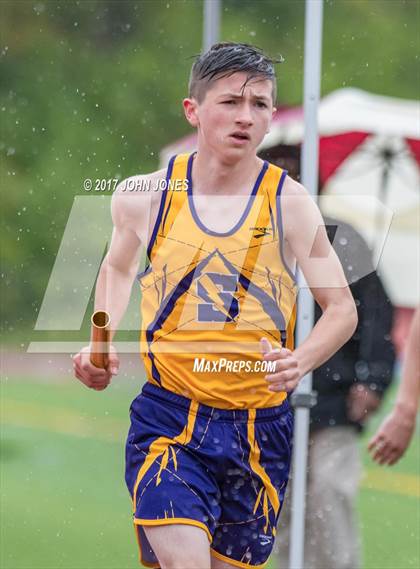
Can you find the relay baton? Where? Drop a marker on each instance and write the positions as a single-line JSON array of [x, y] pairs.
[[100, 339]]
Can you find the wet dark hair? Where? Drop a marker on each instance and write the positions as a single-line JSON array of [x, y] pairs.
[[226, 58]]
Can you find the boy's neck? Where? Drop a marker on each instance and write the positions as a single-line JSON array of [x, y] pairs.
[[211, 175]]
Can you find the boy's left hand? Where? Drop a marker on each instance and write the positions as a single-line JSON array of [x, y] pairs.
[[287, 374]]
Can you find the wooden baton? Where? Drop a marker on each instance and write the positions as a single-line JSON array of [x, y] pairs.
[[100, 339]]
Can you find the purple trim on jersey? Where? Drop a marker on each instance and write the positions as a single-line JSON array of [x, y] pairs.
[[167, 211], [280, 224], [155, 372], [158, 219], [272, 220], [245, 213], [162, 205]]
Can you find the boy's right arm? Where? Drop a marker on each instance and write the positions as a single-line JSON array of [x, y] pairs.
[[131, 215]]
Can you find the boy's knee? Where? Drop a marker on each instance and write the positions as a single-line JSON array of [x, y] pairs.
[[179, 546], [183, 560]]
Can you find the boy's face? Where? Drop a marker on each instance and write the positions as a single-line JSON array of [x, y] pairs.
[[233, 120]]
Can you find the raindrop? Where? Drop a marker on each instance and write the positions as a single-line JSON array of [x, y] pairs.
[[39, 8], [362, 370]]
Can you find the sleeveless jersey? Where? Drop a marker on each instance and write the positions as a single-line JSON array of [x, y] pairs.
[[209, 297]]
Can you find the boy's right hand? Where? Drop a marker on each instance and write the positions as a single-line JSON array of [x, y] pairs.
[[94, 377]]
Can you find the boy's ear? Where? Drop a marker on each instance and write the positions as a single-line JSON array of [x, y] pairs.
[[190, 110]]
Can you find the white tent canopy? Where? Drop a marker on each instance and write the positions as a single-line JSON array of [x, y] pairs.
[[346, 110]]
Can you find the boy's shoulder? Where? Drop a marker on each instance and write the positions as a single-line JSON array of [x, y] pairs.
[[136, 197], [298, 209], [293, 188], [141, 184]]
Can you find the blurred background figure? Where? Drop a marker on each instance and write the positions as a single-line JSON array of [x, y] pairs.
[[350, 387], [394, 435]]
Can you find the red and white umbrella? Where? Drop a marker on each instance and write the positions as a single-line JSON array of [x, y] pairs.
[[369, 174], [369, 168]]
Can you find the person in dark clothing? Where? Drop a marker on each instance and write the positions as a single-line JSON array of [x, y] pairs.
[[351, 384], [350, 387]]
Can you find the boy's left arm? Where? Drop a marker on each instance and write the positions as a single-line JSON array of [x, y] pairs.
[[306, 238]]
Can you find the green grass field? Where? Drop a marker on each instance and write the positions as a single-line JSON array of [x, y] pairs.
[[64, 500]]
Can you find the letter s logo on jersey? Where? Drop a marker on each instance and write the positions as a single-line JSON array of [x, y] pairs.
[[220, 304]]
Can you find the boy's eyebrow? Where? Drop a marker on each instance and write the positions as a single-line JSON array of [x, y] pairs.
[[239, 96]]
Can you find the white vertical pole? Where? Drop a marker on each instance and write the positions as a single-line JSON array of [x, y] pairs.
[[309, 159], [211, 27]]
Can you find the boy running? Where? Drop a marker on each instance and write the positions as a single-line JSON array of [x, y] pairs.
[[209, 447]]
